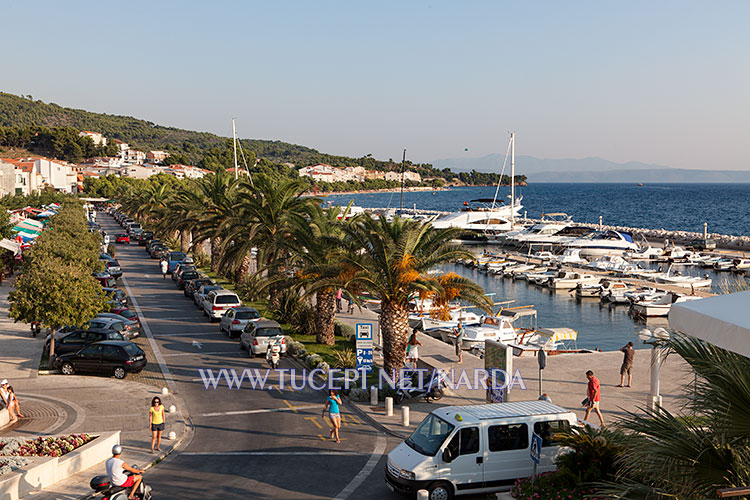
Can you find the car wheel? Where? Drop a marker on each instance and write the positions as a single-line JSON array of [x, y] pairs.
[[440, 491], [67, 369], [120, 372]]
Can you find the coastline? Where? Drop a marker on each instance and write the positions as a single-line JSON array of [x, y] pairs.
[[384, 190]]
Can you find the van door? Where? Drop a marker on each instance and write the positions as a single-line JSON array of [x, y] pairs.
[[550, 448], [507, 457], [465, 469]]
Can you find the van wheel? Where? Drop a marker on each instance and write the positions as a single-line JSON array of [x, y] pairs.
[[120, 372], [67, 369], [440, 491]]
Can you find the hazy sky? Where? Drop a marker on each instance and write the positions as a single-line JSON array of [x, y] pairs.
[[664, 82]]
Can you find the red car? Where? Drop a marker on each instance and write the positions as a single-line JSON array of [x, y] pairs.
[[122, 238], [127, 313]]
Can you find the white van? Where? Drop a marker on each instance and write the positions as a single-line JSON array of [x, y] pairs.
[[462, 450]]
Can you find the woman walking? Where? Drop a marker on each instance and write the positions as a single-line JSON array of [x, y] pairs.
[[412, 349], [332, 406], [156, 422], [164, 267]]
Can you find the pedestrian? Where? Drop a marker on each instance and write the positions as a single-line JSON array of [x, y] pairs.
[[332, 407], [594, 397], [412, 349], [164, 267], [156, 422], [627, 364], [9, 399], [458, 334], [350, 305], [339, 295]]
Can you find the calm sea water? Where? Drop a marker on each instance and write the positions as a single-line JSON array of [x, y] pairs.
[[654, 206], [668, 206]]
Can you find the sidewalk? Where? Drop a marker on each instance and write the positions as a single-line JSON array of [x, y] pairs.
[[564, 381], [57, 404]]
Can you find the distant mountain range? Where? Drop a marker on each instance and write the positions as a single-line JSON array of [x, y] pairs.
[[590, 170]]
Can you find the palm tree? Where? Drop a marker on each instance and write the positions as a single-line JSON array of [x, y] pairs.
[[393, 265]]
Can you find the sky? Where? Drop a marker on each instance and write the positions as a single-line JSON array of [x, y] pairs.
[[664, 82]]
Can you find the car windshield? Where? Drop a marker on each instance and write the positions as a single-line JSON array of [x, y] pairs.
[[177, 256], [188, 275], [207, 289], [132, 349], [429, 435], [122, 235], [268, 332], [114, 262], [227, 299], [247, 315], [127, 313]]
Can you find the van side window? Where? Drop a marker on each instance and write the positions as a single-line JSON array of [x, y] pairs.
[[548, 429], [465, 442], [508, 437]]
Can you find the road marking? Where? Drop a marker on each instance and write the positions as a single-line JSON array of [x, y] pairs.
[[290, 405], [272, 453], [197, 353], [158, 336], [197, 344], [315, 421], [366, 470], [262, 410], [331, 439], [154, 347]]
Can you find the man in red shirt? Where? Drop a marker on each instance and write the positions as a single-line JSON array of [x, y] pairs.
[[594, 396]]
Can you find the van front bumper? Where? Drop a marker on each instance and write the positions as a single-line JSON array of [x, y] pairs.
[[405, 487]]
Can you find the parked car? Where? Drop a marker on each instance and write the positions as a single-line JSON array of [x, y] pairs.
[[256, 334], [233, 321], [145, 237], [75, 340], [159, 251], [192, 285], [201, 292], [105, 256], [122, 238], [128, 314], [181, 268], [185, 277], [152, 243], [113, 268], [105, 279], [111, 357], [174, 259], [701, 244], [132, 327], [218, 301], [117, 295]]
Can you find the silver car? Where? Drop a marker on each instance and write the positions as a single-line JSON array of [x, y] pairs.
[[256, 335], [234, 320]]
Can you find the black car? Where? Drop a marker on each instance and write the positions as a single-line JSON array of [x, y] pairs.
[[185, 277], [117, 296], [192, 285], [111, 357], [159, 251], [74, 341], [145, 237]]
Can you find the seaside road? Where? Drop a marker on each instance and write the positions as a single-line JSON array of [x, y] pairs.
[[247, 443]]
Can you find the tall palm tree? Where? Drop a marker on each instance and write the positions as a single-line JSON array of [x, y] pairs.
[[393, 265]]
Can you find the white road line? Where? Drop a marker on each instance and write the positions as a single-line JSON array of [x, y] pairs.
[[263, 410], [201, 353], [154, 347], [366, 470], [272, 453], [175, 318]]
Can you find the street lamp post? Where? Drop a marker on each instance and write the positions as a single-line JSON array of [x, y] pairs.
[[656, 339]]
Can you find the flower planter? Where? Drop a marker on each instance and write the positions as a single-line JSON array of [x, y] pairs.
[[4, 418]]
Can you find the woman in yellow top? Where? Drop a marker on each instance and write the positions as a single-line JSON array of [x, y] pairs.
[[156, 422]]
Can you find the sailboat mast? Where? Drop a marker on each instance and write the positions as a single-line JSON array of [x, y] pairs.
[[512, 179], [234, 143], [403, 166]]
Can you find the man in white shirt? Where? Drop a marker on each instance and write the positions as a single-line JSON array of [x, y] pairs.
[[116, 468]]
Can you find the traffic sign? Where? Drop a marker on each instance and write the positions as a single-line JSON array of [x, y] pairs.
[[363, 353], [536, 448]]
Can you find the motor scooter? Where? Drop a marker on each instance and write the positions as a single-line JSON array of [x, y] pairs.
[[431, 388], [102, 485], [273, 352], [35, 328]]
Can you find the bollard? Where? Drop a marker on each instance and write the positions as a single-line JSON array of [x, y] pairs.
[[164, 391], [389, 406], [172, 435], [423, 495], [374, 395], [405, 416], [173, 409]]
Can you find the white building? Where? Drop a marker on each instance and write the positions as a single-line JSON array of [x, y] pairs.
[[156, 156], [134, 156], [7, 178], [408, 176], [98, 138], [327, 173], [138, 171]]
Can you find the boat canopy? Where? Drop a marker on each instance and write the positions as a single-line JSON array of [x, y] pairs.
[[514, 314], [559, 334]]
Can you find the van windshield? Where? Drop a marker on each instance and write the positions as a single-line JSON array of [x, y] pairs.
[[429, 435]]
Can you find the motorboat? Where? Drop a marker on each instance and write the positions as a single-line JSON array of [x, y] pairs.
[[588, 290], [550, 224], [567, 280], [481, 215], [614, 292], [660, 306], [544, 256], [561, 238], [740, 264], [682, 281], [723, 264], [610, 263], [600, 243], [513, 271], [496, 328], [531, 274], [676, 254], [644, 294], [432, 326], [541, 277], [571, 256], [646, 253]]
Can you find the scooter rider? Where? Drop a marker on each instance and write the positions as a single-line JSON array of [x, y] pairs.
[[116, 468]]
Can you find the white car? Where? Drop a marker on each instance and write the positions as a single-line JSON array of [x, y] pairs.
[[217, 302], [234, 320]]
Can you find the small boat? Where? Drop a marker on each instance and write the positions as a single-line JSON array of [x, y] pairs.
[[740, 264], [569, 280], [588, 290], [646, 253], [512, 271], [571, 256], [644, 295], [682, 281], [661, 306], [544, 256], [723, 264]]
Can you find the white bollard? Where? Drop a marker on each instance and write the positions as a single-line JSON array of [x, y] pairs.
[[164, 391], [423, 495], [405, 416], [389, 406], [374, 395], [172, 435], [173, 409]]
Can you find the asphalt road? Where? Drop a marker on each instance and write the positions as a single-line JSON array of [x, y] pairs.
[[248, 443]]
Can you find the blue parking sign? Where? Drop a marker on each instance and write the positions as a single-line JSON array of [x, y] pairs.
[[363, 348]]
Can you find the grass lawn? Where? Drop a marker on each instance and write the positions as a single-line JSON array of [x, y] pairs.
[[324, 351]]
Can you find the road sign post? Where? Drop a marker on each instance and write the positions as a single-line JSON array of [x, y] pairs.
[[536, 452], [363, 347]]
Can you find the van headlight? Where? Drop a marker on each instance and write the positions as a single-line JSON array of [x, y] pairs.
[[406, 474]]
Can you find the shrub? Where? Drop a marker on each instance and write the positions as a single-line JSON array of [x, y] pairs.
[[343, 330], [548, 486], [111, 250], [344, 358], [313, 360], [253, 288], [294, 347], [593, 454], [201, 258]]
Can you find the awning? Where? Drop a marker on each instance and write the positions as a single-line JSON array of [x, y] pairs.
[[10, 245], [722, 320], [24, 224], [47, 213], [32, 223], [559, 334], [20, 228]]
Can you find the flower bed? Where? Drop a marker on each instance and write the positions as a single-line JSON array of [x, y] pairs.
[[550, 486], [42, 446], [11, 463]]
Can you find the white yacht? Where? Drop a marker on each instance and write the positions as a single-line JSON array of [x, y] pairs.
[[550, 224], [646, 253], [569, 280], [600, 243], [483, 215], [661, 306], [571, 256]]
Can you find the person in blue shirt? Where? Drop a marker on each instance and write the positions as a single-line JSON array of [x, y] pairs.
[[332, 407]]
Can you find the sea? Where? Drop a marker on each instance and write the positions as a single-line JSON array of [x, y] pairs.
[[682, 207]]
